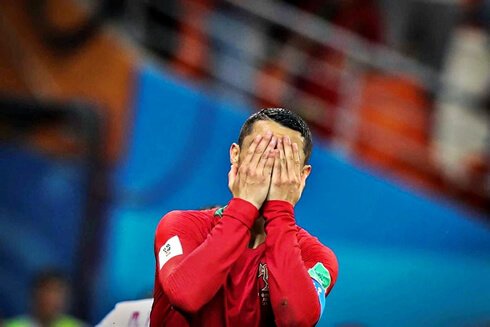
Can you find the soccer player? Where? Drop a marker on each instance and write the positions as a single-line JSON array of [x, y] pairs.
[[247, 264]]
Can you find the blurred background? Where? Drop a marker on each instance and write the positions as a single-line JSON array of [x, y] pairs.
[[115, 112]]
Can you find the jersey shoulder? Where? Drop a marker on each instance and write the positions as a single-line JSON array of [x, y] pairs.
[[195, 224], [313, 252], [311, 245], [306, 240]]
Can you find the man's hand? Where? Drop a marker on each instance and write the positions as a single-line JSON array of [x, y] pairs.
[[251, 181], [287, 184]]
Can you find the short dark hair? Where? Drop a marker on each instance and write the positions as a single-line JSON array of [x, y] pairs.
[[44, 277], [284, 117]]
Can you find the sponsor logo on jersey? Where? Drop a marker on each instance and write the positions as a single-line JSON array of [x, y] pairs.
[[171, 249]]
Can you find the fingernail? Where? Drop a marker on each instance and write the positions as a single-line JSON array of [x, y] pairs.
[[269, 133], [295, 146], [288, 140]]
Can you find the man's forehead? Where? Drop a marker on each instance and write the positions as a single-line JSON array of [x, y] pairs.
[[262, 126]]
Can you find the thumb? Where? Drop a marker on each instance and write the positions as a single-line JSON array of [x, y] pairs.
[[232, 176]]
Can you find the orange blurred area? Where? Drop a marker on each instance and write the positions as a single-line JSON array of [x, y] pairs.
[[394, 130], [100, 71]]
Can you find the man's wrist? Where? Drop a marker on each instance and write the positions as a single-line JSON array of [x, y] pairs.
[[274, 208], [292, 203], [256, 205], [242, 210]]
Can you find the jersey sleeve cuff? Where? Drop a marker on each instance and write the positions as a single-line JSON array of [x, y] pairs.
[[276, 208], [243, 211]]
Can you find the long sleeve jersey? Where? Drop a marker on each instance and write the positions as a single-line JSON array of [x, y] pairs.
[[207, 276]]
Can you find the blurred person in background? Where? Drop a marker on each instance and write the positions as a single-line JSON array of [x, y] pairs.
[[248, 263], [50, 299], [462, 119]]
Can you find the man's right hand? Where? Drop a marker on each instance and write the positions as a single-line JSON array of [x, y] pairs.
[[252, 179]]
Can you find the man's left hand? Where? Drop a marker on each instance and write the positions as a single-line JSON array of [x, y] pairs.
[[287, 182]]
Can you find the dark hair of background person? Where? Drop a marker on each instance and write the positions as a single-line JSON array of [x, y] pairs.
[[47, 276], [285, 118]]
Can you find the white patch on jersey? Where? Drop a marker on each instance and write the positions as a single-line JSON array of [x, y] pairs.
[[171, 249]]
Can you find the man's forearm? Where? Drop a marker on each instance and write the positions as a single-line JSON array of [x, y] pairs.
[[197, 278], [293, 296]]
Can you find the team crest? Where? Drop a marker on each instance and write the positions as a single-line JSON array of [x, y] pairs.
[[263, 283]]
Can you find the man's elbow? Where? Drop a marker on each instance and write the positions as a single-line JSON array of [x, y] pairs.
[[187, 303], [188, 306], [185, 299]]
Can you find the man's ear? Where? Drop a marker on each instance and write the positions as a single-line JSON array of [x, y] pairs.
[[305, 172], [234, 154]]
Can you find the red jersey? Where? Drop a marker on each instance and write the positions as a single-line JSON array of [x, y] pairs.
[[207, 276]]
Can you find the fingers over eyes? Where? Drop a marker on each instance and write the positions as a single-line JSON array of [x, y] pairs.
[[297, 160], [276, 174], [259, 150], [264, 166], [282, 160], [251, 150]]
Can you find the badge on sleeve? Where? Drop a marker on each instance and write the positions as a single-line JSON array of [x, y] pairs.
[[320, 274], [321, 280], [171, 249]]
